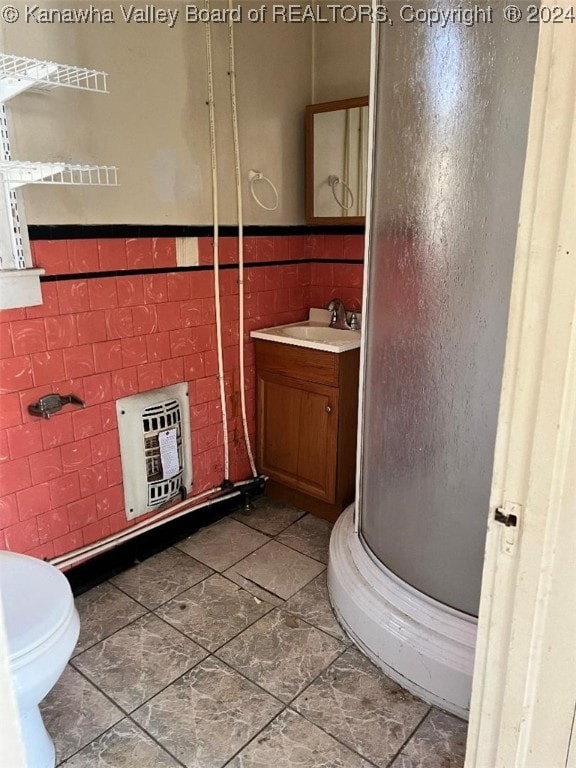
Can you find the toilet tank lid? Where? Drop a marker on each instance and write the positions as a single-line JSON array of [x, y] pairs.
[[36, 599]]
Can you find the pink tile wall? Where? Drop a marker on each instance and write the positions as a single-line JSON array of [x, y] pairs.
[[108, 337]]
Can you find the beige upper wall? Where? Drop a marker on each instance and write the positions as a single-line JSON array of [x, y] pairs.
[[154, 122], [341, 60]]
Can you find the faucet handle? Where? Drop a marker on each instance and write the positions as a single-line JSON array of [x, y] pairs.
[[354, 322]]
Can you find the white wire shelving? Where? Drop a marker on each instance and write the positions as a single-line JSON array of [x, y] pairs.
[[16, 173], [19, 73]]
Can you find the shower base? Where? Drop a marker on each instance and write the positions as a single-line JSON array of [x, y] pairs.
[[424, 646]]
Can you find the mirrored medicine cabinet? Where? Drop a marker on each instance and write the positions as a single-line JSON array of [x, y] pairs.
[[336, 161]]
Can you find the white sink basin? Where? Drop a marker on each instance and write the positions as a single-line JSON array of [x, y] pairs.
[[314, 334], [319, 333]]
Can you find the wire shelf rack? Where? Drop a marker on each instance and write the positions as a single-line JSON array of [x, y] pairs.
[[19, 73], [15, 173]]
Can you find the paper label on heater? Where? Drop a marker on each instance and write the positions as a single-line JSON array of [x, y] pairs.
[[169, 453]]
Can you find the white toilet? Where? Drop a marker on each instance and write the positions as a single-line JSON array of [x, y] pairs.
[[42, 627]]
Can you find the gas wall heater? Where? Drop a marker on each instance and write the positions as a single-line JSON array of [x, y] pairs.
[[155, 447]]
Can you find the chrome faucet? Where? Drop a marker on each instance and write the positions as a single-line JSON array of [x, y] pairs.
[[338, 319]]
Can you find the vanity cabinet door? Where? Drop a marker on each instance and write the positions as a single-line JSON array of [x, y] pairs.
[[297, 434]]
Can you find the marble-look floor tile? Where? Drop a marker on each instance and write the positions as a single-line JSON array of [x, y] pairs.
[[290, 741], [440, 742], [281, 653], [161, 577], [124, 746], [207, 715], [358, 705], [138, 661], [309, 535], [254, 589], [75, 712], [213, 612], [312, 604], [103, 610], [222, 544], [269, 516], [278, 569]]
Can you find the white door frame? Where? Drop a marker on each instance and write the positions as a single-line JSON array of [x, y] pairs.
[[524, 691]]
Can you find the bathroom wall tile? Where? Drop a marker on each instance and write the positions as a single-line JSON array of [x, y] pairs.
[[149, 376], [79, 361], [76, 455], [178, 286], [75, 712], [64, 490], [82, 512], [158, 346], [24, 439], [124, 383], [72, 296], [107, 356], [358, 705], [123, 746], [96, 531], [110, 501], [8, 511], [102, 293], [207, 715], [291, 741], [130, 290], [201, 284], [172, 371], [161, 577], [281, 653], [93, 479], [440, 742], [10, 413], [155, 288], [222, 544], [312, 604], [164, 252], [53, 524], [83, 255], [119, 323], [268, 515], [49, 304], [139, 253], [103, 610], [15, 374], [32, 500], [91, 326], [52, 255], [112, 254], [309, 535], [278, 569], [47, 367], [57, 431], [28, 336], [169, 316], [86, 422], [98, 388], [23, 536], [67, 543], [60, 332], [213, 611], [46, 465], [104, 446], [139, 660], [191, 312], [14, 475]]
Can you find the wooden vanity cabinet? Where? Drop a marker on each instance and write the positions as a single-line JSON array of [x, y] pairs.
[[307, 403]]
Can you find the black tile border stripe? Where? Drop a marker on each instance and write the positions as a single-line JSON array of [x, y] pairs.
[[127, 231], [199, 268]]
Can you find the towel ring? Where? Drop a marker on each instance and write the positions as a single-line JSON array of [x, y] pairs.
[[334, 181], [254, 176]]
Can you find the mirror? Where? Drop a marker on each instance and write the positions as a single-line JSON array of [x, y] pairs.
[[336, 161]]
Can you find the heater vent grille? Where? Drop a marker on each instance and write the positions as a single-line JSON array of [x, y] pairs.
[[154, 471]]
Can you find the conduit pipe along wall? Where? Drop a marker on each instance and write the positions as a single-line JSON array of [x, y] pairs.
[[452, 107]]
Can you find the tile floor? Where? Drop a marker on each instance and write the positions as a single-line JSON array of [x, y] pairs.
[[224, 651]]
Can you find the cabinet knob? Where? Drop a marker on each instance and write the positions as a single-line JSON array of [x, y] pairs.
[[328, 409]]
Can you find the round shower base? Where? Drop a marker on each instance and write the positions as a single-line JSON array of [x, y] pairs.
[[424, 646]]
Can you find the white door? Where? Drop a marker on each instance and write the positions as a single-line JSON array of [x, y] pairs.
[[524, 692]]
